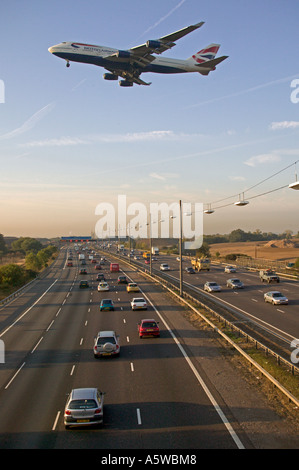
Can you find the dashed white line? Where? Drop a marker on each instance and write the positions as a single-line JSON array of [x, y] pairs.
[[72, 371], [138, 417], [50, 325], [15, 375], [36, 345], [132, 366], [56, 421]]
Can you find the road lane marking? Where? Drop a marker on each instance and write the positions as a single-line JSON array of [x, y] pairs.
[[23, 314], [15, 375], [56, 421], [81, 342], [72, 371], [128, 339], [132, 366], [36, 345], [138, 417]]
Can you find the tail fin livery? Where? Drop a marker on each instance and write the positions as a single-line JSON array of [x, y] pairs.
[[208, 53]]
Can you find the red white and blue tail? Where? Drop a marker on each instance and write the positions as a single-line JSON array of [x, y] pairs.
[[206, 54]]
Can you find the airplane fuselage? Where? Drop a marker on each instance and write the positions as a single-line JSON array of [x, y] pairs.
[[99, 55]]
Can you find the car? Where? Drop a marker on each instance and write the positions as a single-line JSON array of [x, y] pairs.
[[101, 277], [106, 304], [235, 284], [138, 303], [106, 343], [83, 284], [122, 280], [84, 406], [148, 327], [103, 286], [83, 262], [82, 271], [94, 261], [212, 287], [98, 266], [132, 287], [137, 257], [190, 270], [230, 269], [69, 264], [276, 298], [147, 261], [164, 267]]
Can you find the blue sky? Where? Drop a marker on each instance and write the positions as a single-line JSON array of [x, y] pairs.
[[70, 140]]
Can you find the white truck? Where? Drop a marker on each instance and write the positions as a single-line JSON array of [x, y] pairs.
[[81, 257], [155, 250]]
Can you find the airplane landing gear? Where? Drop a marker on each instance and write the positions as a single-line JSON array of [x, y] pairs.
[[68, 63]]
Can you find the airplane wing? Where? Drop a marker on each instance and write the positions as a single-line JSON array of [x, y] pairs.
[[164, 43]]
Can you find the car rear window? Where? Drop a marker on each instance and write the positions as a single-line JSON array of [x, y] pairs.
[[105, 340], [149, 324], [82, 404]]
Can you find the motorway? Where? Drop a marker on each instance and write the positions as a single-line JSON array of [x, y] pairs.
[[249, 302], [157, 394]]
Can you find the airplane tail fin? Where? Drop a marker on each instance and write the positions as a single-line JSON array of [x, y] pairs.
[[206, 54], [205, 59]]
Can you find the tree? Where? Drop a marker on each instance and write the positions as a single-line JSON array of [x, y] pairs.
[[12, 275], [3, 248], [26, 244], [32, 262]]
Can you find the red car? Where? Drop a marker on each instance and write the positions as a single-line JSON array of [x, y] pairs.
[[148, 327]]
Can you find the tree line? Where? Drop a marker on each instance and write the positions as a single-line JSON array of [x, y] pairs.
[[240, 235], [13, 276]]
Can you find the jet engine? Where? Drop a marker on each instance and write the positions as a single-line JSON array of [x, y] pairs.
[[110, 76], [153, 44], [125, 83]]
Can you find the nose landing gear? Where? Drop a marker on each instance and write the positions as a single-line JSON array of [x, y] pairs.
[[68, 63]]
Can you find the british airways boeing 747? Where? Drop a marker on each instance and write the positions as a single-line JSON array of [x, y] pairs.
[[131, 63]]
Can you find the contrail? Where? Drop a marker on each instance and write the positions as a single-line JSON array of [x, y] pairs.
[[164, 17]]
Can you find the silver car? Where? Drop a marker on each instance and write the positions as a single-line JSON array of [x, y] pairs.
[[234, 283], [84, 407], [276, 298], [212, 287], [106, 344]]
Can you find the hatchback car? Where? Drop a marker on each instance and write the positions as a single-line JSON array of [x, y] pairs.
[[69, 264], [230, 269], [212, 287], [84, 407], [132, 287], [138, 303], [103, 286], [122, 280], [82, 271], [101, 277], [276, 298], [106, 304], [148, 327], [83, 284], [164, 267], [106, 344], [235, 284]]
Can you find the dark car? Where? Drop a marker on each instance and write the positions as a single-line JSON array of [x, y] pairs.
[[189, 270], [82, 271], [122, 280], [83, 284], [101, 277]]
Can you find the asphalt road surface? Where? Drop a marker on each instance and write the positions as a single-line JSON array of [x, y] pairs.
[[157, 393]]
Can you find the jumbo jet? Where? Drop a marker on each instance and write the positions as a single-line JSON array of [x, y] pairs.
[[131, 63]]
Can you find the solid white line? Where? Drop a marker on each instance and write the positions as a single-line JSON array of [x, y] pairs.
[[138, 417], [23, 314], [15, 375], [56, 421], [200, 380], [36, 345]]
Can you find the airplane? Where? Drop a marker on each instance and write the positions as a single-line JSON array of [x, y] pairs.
[[131, 63]]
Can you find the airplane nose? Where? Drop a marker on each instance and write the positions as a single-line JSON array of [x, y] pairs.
[[51, 49]]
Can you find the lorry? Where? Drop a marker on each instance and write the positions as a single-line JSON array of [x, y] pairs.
[[146, 255], [155, 250], [201, 264], [81, 257], [114, 267], [267, 275]]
